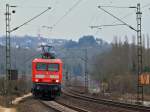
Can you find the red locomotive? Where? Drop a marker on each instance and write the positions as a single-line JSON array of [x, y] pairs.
[[46, 75]]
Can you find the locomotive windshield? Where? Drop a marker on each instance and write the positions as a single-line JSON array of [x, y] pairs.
[[53, 67], [41, 66], [49, 67]]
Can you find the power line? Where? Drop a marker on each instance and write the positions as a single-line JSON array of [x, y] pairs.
[[117, 18], [140, 95], [33, 7], [70, 9], [112, 25], [146, 5], [129, 14], [30, 20], [106, 25], [116, 6]]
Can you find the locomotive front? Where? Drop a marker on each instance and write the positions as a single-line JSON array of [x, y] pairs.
[[46, 77]]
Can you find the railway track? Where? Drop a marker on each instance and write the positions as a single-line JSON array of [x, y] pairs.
[[61, 107], [80, 96]]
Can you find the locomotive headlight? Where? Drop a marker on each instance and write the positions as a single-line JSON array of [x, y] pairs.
[[57, 81], [36, 80], [39, 76]]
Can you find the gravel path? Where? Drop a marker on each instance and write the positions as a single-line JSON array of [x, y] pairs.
[[7, 109], [32, 105]]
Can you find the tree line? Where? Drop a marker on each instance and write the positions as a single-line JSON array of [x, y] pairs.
[[117, 68]]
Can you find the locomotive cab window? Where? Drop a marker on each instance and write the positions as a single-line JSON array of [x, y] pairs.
[[41, 66], [53, 67]]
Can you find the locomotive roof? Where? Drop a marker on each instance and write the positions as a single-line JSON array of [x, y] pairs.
[[47, 60]]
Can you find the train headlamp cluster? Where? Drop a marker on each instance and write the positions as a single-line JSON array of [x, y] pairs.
[[57, 81], [36, 80], [43, 76]]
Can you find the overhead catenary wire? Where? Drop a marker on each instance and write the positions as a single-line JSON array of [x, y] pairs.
[[106, 25], [30, 20], [24, 7], [117, 18], [70, 10], [131, 13], [112, 25], [127, 15], [115, 6]]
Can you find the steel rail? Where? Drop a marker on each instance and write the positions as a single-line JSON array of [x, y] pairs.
[[42, 102], [63, 104], [135, 107]]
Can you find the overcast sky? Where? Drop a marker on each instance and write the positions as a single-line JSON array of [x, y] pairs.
[[78, 20]]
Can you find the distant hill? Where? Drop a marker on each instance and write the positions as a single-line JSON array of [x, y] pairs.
[[35, 42], [87, 41], [32, 42], [25, 48]]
